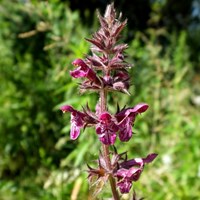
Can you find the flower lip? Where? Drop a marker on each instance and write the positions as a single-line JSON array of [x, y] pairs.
[[138, 161], [79, 62], [83, 70], [141, 107], [127, 112], [66, 108], [106, 129]]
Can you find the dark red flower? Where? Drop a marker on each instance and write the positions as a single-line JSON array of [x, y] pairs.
[[130, 170], [126, 118], [106, 129], [77, 121], [83, 70]]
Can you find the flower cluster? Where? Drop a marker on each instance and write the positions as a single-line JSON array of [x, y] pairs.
[[102, 72], [130, 170], [107, 56], [107, 125], [126, 171]]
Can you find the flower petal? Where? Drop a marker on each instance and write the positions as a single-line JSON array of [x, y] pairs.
[[75, 131], [79, 73], [150, 158], [77, 120], [126, 177], [83, 70], [124, 186], [106, 129], [125, 132], [67, 108], [126, 118], [138, 161], [139, 108]]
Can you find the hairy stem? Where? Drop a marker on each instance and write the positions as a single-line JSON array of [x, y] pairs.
[[103, 103]]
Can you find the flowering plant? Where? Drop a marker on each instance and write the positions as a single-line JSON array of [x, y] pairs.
[[105, 71]]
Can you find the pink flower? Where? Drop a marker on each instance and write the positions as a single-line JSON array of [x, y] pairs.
[[77, 121], [106, 129], [130, 171], [125, 178], [83, 70], [126, 118]]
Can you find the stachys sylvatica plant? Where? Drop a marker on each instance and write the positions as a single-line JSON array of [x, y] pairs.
[[105, 71]]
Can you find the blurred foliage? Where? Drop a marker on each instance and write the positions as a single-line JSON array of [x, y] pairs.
[[38, 41]]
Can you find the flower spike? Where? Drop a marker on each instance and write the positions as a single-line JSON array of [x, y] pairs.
[[105, 71]]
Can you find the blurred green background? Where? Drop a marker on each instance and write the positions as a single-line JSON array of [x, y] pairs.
[[38, 42]]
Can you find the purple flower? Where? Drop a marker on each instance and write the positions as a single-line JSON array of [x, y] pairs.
[[83, 70], [130, 171], [77, 121], [106, 129], [126, 118], [102, 72], [125, 178]]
